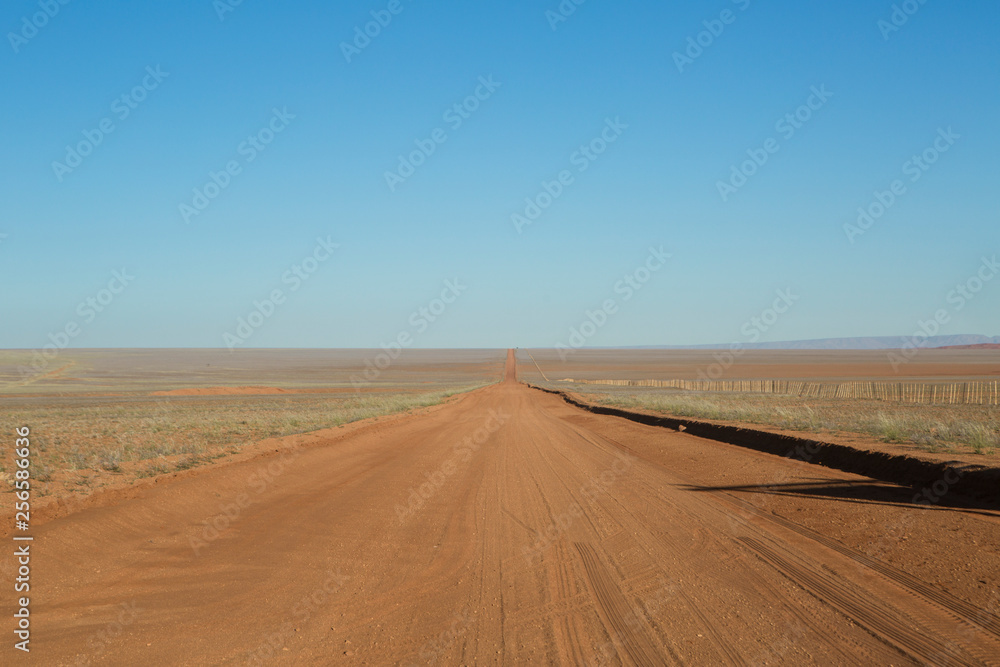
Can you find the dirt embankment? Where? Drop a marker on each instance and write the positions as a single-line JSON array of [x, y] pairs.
[[980, 483]]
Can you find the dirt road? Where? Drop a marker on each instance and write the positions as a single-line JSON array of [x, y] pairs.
[[509, 527]]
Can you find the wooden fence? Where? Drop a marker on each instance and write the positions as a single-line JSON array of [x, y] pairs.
[[976, 393]]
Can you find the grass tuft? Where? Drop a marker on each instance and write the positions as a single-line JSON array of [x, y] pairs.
[[102, 436], [953, 428], [889, 429]]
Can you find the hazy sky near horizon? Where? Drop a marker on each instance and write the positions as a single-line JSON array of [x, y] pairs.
[[496, 174]]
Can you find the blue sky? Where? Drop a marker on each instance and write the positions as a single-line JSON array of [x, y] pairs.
[[323, 175]]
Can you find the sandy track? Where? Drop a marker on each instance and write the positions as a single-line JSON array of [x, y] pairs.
[[543, 534]]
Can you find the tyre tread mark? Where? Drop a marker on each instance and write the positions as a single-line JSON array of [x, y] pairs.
[[904, 634], [612, 601], [983, 618]]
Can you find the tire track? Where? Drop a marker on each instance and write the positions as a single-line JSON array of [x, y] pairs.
[[720, 641], [616, 610], [452, 584], [696, 537], [935, 598], [966, 611], [905, 634]]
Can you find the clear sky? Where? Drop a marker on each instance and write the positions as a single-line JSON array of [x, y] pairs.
[[191, 88]]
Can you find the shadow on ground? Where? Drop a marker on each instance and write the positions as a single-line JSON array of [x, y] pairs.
[[867, 492]]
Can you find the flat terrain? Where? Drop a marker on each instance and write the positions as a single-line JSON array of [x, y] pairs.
[[815, 365], [129, 371], [104, 418], [506, 526], [968, 432]]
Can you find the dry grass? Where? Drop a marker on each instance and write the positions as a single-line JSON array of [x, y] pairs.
[[145, 437], [954, 428]]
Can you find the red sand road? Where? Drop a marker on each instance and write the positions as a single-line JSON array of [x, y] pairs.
[[543, 535]]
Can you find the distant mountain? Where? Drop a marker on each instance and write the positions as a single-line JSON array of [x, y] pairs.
[[980, 346], [867, 343]]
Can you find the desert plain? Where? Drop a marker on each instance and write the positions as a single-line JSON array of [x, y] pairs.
[[466, 507]]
